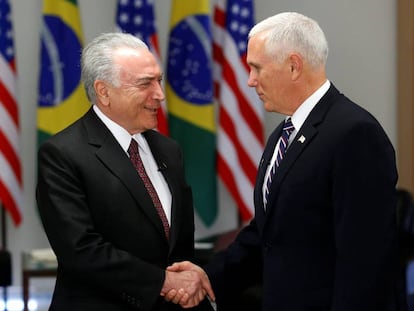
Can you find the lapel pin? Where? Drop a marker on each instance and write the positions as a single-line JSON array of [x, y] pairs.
[[302, 139]]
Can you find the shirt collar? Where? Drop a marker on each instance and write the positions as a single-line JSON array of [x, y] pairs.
[[121, 135], [300, 115]]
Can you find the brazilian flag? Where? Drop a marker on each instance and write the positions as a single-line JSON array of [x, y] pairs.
[[62, 98], [189, 92]]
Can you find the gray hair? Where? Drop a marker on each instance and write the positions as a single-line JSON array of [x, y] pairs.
[[289, 32], [97, 61]]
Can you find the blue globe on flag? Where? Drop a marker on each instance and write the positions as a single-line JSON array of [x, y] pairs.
[[60, 59], [189, 62]]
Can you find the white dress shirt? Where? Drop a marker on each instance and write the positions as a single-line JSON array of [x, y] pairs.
[[151, 167], [298, 118]]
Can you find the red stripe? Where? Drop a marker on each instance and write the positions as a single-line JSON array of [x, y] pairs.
[[249, 119], [12, 65], [162, 122], [248, 166], [244, 62], [8, 101], [219, 17], [228, 178], [9, 204], [216, 89], [248, 113], [11, 156], [154, 43], [162, 126]]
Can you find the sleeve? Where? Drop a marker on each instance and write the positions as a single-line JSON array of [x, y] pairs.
[[364, 198], [230, 271]]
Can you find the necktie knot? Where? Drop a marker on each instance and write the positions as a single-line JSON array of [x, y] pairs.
[[133, 148], [288, 127]]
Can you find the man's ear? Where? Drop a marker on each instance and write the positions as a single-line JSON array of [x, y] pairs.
[[101, 90], [296, 65]]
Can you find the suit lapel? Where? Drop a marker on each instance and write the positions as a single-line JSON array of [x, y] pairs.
[[302, 139], [263, 165], [110, 153]]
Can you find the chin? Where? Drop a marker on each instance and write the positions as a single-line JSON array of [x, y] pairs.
[[152, 127], [268, 107]]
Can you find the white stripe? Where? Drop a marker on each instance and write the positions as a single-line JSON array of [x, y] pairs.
[[250, 144], [9, 179], [244, 187], [231, 54], [7, 76], [8, 127], [55, 63], [200, 32], [229, 102], [221, 4]]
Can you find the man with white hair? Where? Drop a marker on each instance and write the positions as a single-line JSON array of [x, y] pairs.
[[323, 236]]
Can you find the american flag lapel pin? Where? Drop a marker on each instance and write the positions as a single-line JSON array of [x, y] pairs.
[[302, 139]]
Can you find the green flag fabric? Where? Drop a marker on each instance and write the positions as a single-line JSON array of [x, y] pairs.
[[189, 92]]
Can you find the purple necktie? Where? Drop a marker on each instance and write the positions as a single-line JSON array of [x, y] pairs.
[[288, 128], [133, 152]]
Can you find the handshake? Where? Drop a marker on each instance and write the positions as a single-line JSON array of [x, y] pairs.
[[186, 284]]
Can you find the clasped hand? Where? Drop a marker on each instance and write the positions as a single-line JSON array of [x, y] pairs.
[[186, 284]]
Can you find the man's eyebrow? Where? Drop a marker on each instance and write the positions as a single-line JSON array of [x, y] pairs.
[[149, 78], [145, 79]]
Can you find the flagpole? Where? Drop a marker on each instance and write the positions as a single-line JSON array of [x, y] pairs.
[[3, 247], [3, 227], [5, 263]]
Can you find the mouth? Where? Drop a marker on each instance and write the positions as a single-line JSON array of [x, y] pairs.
[[152, 110]]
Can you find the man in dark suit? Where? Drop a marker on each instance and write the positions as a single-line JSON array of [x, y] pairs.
[[98, 210], [324, 232]]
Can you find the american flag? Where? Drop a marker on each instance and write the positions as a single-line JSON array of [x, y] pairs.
[[137, 17], [240, 135], [10, 168]]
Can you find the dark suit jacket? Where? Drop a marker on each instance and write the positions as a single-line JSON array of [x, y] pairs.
[[327, 239], [101, 222]]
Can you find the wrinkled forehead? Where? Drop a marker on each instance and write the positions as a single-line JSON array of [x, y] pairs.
[[136, 62]]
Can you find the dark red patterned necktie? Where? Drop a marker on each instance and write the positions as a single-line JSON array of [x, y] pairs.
[[137, 162]]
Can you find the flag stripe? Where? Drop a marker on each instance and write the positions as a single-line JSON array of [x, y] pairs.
[[10, 179], [11, 192], [240, 136], [8, 199], [244, 135], [11, 156], [9, 127], [248, 165], [9, 104], [231, 164], [226, 56], [8, 89], [247, 111], [245, 207]]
